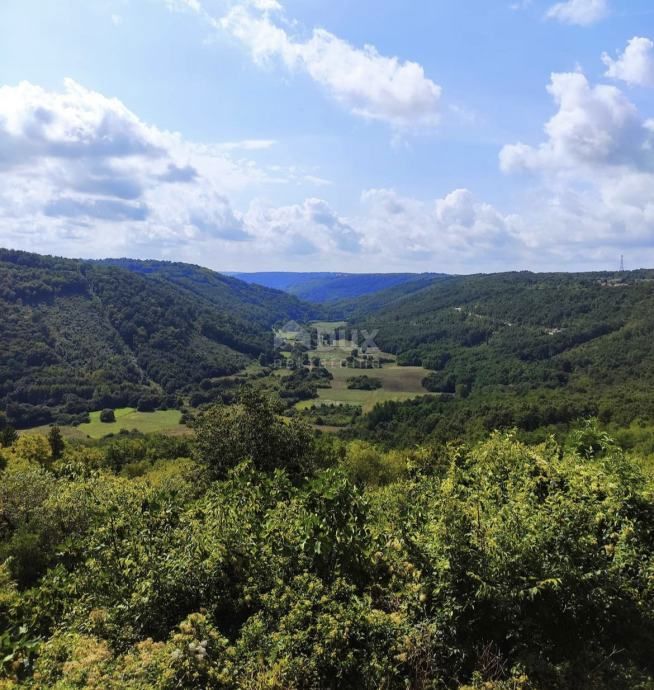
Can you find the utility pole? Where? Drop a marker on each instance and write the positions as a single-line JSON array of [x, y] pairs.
[[621, 263]]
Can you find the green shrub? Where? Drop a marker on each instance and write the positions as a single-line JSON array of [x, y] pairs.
[[107, 416]]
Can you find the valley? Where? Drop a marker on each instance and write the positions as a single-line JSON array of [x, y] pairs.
[[244, 467]]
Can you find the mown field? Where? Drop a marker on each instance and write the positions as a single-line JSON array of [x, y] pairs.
[[398, 383], [161, 421]]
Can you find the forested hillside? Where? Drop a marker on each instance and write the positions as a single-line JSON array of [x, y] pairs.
[[412, 547], [517, 349], [79, 336], [246, 301], [328, 287]]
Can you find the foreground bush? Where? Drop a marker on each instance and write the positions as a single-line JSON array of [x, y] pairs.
[[501, 567]]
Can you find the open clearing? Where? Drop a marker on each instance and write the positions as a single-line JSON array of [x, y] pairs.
[[161, 421], [398, 383]]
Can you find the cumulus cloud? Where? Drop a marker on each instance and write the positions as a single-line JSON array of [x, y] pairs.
[[89, 160], [580, 12], [594, 126], [74, 124], [594, 175], [98, 209], [307, 228], [76, 165], [635, 65], [183, 5], [248, 145], [80, 173], [455, 230], [369, 84]]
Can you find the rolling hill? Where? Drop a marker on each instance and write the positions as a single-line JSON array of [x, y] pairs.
[[532, 351], [523, 350], [329, 287], [80, 335]]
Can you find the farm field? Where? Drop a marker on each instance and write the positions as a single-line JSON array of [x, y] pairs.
[[398, 383], [328, 325], [162, 421]]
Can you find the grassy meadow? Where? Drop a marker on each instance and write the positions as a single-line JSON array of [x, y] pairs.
[[161, 421]]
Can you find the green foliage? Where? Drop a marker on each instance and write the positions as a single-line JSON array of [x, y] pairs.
[[367, 464], [56, 441], [228, 435], [303, 383], [8, 436], [330, 414], [81, 336], [499, 565], [439, 382], [107, 416], [533, 351], [364, 383]]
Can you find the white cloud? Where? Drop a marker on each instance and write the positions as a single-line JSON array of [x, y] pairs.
[[311, 227], [80, 171], [456, 231], [636, 64], [595, 176], [594, 126], [78, 160], [81, 174], [367, 83], [247, 145], [182, 5], [267, 5], [75, 124], [580, 12], [520, 5]]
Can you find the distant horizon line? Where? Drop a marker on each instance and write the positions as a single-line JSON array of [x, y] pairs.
[[327, 272]]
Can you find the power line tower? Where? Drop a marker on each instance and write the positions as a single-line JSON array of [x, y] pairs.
[[621, 263]]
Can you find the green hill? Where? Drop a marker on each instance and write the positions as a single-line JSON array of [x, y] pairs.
[[517, 349], [329, 287], [80, 336]]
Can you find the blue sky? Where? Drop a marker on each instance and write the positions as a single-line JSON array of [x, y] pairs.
[[330, 135]]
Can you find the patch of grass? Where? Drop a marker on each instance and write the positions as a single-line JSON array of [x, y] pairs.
[[398, 383], [367, 399], [328, 325], [161, 421], [71, 433]]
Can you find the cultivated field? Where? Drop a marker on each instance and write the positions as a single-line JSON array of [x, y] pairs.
[[398, 383]]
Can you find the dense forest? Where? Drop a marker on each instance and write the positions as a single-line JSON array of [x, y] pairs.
[[495, 532], [256, 555], [79, 336], [532, 351]]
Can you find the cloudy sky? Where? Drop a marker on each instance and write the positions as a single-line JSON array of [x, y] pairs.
[[367, 135]]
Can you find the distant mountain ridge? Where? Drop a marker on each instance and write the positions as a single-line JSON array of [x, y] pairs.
[[324, 287]]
